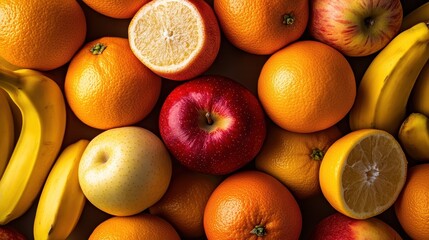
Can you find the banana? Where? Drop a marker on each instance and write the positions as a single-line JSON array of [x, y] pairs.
[[43, 111], [61, 201], [420, 14], [414, 136], [385, 87], [420, 94], [7, 137], [6, 65]]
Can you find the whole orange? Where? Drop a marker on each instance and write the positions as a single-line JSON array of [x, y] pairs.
[[263, 26], [252, 205], [411, 207], [116, 8], [295, 158], [106, 86], [40, 34], [184, 202], [137, 227], [307, 86]]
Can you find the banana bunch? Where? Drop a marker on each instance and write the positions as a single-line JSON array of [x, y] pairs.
[[386, 85], [420, 14], [7, 137], [6, 65], [61, 201], [414, 136], [43, 111], [419, 101]]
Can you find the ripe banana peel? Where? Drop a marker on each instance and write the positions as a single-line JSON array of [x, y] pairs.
[[414, 136], [7, 137], [6, 65], [420, 14], [420, 95], [386, 85], [61, 201], [43, 111]]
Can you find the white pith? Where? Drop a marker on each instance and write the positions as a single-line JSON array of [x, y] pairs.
[[171, 38]]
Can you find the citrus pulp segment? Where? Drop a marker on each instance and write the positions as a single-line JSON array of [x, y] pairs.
[[175, 39], [363, 173]]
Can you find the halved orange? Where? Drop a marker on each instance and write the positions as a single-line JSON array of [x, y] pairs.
[[176, 39], [363, 173]]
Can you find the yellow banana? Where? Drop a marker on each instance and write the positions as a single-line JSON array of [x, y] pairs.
[[6, 131], [62, 200], [386, 85], [420, 95], [43, 111], [420, 14], [6, 65], [414, 136]]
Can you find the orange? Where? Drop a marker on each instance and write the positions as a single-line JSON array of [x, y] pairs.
[[116, 8], [306, 87], [411, 207], [184, 202], [40, 34], [252, 205], [137, 227], [106, 86], [263, 26], [363, 173], [295, 158], [177, 39]]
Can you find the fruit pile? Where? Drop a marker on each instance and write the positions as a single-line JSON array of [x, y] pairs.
[[222, 119]]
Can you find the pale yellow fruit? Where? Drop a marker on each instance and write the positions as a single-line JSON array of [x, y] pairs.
[[125, 170]]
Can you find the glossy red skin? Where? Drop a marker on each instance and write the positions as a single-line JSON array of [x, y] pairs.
[[8, 233], [340, 227], [218, 152], [334, 227]]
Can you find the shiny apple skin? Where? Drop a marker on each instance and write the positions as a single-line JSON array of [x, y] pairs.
[[9, 233], [235, 135], [340, 227]]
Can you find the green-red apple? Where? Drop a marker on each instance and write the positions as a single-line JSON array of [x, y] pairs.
[[356, 28], [125, 170], [338, 226]]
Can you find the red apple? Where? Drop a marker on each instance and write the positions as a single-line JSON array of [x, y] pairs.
[[355, 28], [9, 233], [338, 226], [212, 125]]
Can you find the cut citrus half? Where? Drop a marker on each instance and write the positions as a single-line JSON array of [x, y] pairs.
[[176, 39], [363, 173]]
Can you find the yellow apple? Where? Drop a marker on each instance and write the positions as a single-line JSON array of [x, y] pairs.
[[125, 170]]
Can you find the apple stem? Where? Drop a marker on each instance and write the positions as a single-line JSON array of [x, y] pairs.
[[317, 154], [288, 19], [209, 118], [369, 21], [98, 49], [259, 231]]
